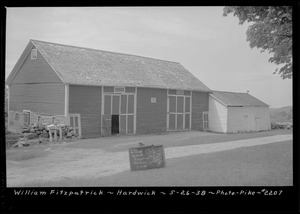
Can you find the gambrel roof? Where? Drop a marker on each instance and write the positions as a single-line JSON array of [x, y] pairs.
[[83, 66], [233, 99]]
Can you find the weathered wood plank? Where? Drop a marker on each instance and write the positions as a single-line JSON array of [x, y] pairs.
[[43, 97], [36, 71], [86, 101], [151, 117], [199, 104]]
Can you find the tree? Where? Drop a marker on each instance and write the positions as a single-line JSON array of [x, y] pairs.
[[270, 30]]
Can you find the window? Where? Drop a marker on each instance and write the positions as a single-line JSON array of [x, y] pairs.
[[108, 89], [119, 89], [205, 120], [34, 54], [188, 93], [180, 92], [130, 90], [26, 117], [17, 116]]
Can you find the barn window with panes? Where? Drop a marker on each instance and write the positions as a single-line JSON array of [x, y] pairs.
[[119, 89], [205, 120]]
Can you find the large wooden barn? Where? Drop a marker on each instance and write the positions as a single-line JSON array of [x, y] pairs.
[[231, 112], [112, 92]]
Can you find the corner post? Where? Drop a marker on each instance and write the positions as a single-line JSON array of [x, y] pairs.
[[8, 100], [66, 100], [135, 111]]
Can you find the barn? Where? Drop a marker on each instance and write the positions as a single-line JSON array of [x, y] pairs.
[[231, 112], [114, 93]]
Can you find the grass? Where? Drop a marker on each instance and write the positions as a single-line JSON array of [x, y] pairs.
[[114, 144], [244, 166], [265, 165], [24, 154]]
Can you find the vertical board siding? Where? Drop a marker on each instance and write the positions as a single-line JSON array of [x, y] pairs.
[[217, 116], [151, 117], [86, 101], [199, 104], [48, 98], [236, 119], [36, 71]]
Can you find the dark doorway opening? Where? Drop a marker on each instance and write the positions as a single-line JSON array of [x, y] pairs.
[[115, 124]]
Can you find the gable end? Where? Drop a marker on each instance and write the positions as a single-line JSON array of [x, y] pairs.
[[28, 70]]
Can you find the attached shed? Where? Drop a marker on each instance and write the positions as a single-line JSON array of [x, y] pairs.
[[112, 92], [231, 112]]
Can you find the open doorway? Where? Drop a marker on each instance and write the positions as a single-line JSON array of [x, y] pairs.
[[115, 124]]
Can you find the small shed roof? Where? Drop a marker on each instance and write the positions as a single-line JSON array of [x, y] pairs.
[[233, 99], [77, 65]]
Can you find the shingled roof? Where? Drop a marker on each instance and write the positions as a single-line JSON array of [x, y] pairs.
[[77, 65], [233, 99]]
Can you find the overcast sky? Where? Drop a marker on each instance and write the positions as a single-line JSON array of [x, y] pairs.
[[210, 46]]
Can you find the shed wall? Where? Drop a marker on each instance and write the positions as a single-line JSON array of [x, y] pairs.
[[217, 116], [199, 105], [86, 101], [151, 117], [258, 119]]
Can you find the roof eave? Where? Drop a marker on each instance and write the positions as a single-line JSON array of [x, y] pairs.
[[19, 63], [100, 85], [247, 105], [220, 101]]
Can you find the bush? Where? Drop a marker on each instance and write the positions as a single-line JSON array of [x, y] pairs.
[[285, 125]]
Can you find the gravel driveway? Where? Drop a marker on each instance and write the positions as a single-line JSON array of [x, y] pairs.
[[72, 163]]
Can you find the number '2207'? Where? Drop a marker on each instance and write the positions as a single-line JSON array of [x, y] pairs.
[[271, 192]]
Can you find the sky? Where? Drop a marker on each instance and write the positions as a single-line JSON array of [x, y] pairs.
[[212, 47]]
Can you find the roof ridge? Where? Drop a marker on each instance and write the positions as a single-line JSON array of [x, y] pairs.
[[73, 46], [232, 92]]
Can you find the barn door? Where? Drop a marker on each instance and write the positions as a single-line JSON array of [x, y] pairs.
[[205, 120], [257, 123], [118, 114], [180, 103], [172, 113], [127, 114], [179, 113], [245, 123]]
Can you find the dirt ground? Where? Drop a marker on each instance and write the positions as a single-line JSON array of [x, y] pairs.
[[106, 159]]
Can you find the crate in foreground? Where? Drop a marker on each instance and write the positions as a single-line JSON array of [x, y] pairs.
[[147, 157]]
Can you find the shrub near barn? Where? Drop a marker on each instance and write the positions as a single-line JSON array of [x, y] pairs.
[[281, 118]]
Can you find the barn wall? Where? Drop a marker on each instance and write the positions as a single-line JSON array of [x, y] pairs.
[[36, 71], [217, 116], [151, 117], [236, 121], [86, 101], [48, 98], [36, 87], [199, 104]]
